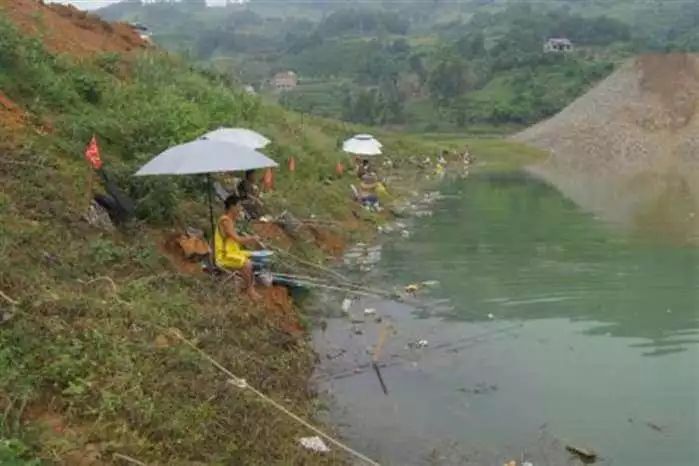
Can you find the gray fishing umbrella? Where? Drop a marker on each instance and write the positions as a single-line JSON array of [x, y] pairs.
[[242, 136], [204, 156]]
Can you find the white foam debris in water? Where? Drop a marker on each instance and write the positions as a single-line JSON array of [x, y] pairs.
[[491, 316], [314, 443], [430, 283]]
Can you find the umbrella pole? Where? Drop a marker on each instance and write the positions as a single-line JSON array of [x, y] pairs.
[[209, 188]]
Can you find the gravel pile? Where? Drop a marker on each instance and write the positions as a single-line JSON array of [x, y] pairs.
[[628, 150], [641, 117]]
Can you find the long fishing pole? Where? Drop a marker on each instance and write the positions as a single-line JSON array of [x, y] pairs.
[[333, 273], [338, 288], [339, 276], [388, 294]]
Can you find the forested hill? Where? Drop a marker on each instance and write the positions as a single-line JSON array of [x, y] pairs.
[[425, 65]]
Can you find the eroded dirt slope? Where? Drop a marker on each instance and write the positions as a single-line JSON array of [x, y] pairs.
[[65, 29]]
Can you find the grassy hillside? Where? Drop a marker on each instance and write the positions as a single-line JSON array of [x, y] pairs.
[[89, 366]]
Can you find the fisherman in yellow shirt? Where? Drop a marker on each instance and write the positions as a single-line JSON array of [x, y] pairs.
[[228, 242]]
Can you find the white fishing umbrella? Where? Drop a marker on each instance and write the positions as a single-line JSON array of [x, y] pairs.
[[362, 144], [205, 156], [242, 136], [364, 137]]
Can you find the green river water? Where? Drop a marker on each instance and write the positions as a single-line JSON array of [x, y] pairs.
[[549, 327]]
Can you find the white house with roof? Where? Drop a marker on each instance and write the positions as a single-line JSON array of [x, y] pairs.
[[558, 45], [284, 81]]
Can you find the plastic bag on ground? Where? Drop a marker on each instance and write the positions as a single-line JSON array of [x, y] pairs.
[[314, 443]]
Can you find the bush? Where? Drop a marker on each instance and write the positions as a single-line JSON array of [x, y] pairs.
[[13, 453]]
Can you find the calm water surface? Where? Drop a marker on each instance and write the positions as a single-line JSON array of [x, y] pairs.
[[549, 327]]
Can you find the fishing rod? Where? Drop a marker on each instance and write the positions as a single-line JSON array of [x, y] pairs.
[[338, 288], [369, 291], [386, 293], [338, 275]]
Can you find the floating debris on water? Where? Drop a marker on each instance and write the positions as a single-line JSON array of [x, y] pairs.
[[584, 454], [480, 389], [335, 354], [654, 426], [418, 344], [370, 311], [412, 288]]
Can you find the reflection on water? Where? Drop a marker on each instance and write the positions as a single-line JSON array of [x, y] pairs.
[[661, 204], [517, 249], [550, 325]]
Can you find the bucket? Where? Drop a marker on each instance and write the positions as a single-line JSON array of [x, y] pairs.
[[263, 257]]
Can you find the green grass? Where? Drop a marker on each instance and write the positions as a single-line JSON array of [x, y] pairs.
[[14, 453], [502, 155], [319, 97], [423, 116]]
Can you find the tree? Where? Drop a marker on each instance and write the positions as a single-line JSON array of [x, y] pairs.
[[372, 106], [449, 77], [417, 66], [472, 45]]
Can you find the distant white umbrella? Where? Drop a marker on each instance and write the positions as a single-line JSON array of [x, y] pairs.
[[362, 144], [204, 156], [242, 136]]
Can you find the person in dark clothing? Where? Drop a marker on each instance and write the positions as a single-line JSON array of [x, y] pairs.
[[117, 204], [249, 193], [363, 169]]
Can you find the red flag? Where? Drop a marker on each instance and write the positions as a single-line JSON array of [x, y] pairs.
[[268, 180], [292, 164], [92, 154]]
